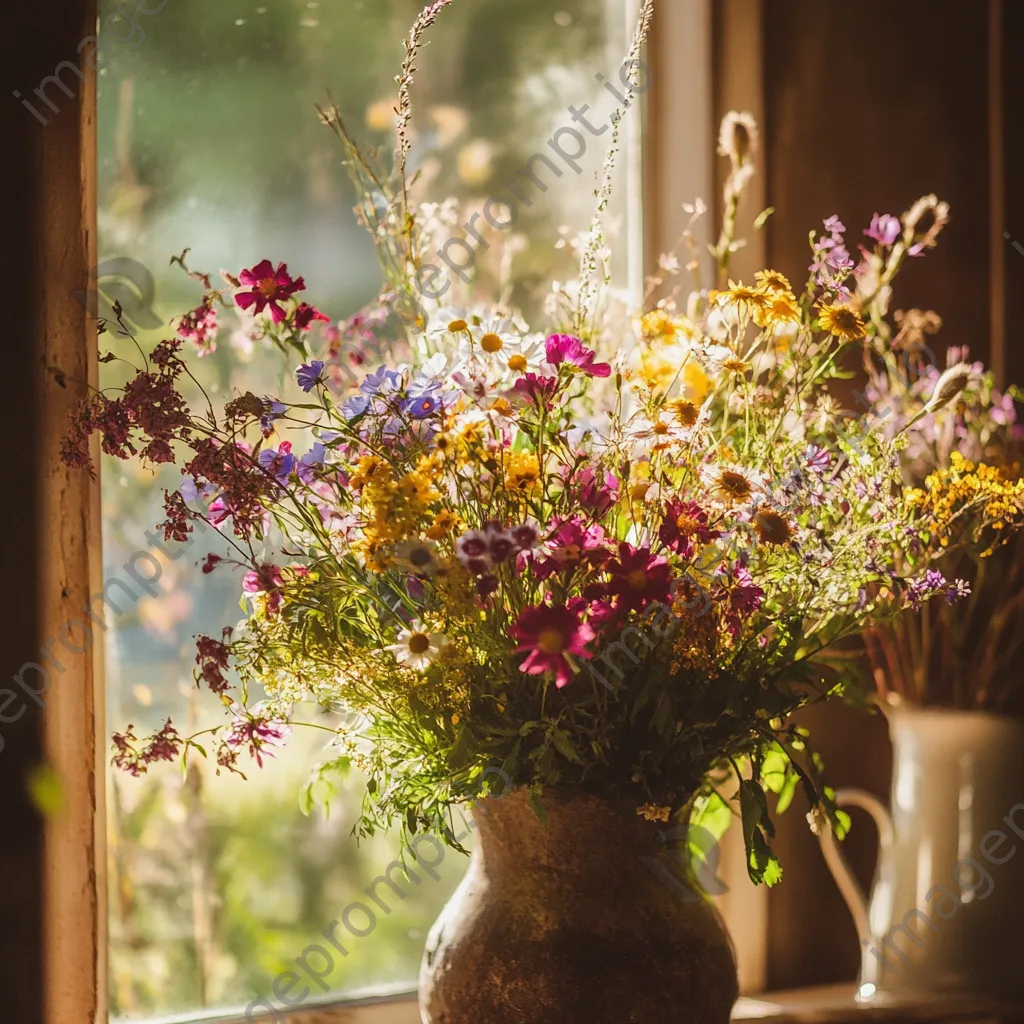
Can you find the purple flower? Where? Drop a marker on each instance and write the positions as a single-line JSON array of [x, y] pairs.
[[933, 584], [312, 461], [818, 459], [273, 410], [564, 348], [383, 381], [884, 229], [834, 226], [354, 406], [279, 464], [831, 260], [308, 374], [191, 491], [423, 406]]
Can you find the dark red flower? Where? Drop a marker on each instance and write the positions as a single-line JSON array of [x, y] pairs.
[[212, 658], [306, 314]]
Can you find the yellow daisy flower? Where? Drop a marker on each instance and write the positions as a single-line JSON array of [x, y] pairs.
[[842, 321]]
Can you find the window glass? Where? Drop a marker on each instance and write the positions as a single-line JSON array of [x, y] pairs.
[[209, 140]]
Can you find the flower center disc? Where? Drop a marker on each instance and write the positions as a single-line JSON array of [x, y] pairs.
[[268, 287], [457, 325], [551, 641], [517, 363], [491, 343], [734, 484], [419, 643], [637, 579]]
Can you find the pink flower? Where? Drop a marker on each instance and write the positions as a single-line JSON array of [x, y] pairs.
[[595, 496], [884, 229], [212, 658], [162, 746], [492, 545], [571, 543], [258, 730], [269, 287], [211, 563], [742, 594], [200, 327], [564, 348], [531, 389], [638, 578], [684, 522], [266, 579], [551, 638]]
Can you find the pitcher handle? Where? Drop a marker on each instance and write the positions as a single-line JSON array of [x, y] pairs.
[[848, 885]]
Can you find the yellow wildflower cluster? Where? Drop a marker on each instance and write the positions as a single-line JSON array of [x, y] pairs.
[[661, 325], [770, 302], [521, 471], [951, 494], [456, 590], [393, 508]]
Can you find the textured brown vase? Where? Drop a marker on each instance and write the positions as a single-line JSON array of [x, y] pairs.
[[562, 923]]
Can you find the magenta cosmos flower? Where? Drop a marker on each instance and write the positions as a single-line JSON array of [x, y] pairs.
[[685, 522], [564, 348], [638, 578], [551, 638], [268, 287]]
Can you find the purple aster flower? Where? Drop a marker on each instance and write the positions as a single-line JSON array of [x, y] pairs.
[[308, 374]]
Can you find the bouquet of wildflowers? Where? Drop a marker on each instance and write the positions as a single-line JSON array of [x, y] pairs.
[[961, 467], [610, 551]]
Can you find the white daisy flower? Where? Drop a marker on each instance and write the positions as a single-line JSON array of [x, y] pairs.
[[417, 647]]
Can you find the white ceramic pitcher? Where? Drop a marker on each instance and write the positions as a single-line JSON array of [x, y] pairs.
[[946, 913]]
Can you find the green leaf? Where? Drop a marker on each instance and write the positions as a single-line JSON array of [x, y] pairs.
[[763, 865], [564, 746]]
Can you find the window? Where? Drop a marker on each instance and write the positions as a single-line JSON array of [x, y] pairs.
[[208, 138]]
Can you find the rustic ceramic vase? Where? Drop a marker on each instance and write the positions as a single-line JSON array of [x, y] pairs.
[[946, 911], [571, 922]]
